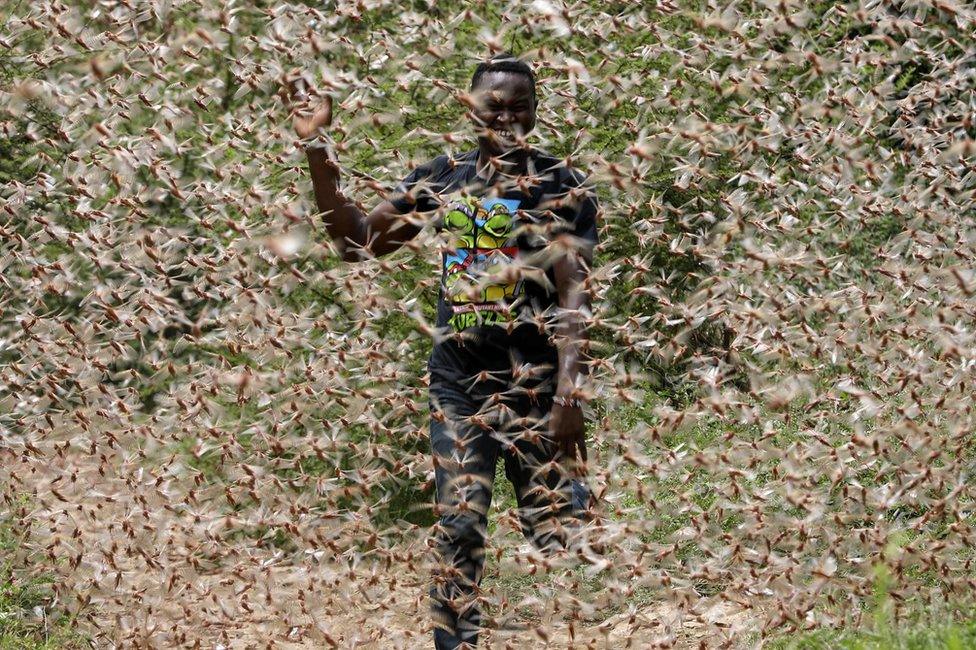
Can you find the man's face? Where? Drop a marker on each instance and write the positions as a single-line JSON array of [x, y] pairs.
[[503, 110]]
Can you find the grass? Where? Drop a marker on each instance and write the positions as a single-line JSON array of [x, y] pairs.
[[953, 636], [663, 518], [29, 619], [916, 631], [858, 241]]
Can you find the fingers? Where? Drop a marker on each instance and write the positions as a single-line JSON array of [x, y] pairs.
[[573, 453], [567, 447], [322, 118], [297, 86], [578, 456], [324, 114], [581, 445], [292, 89], [570, 439], [301, 96]]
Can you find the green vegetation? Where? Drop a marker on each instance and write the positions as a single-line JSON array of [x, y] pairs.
[[927, 635], [28, 621], [746, 242]]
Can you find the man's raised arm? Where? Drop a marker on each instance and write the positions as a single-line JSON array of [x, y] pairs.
[[356, 235]]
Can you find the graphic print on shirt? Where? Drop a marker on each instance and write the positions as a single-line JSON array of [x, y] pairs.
[[484, 248]]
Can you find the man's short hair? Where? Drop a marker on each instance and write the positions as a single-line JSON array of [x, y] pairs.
[[503, 62]]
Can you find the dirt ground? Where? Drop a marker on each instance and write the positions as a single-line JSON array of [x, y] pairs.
[[146, 564]]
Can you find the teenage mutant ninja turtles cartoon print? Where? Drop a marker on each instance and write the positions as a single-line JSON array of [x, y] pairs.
[[484, 247]]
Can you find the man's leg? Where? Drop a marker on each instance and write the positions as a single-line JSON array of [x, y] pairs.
[[465, 454]]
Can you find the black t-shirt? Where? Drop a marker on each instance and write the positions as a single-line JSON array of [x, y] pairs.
[[497, 291]]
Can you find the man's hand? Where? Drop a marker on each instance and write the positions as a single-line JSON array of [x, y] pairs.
[[568, 430], [355, 234], [309, 111]]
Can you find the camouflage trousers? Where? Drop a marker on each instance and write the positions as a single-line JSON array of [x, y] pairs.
[[471, 427]]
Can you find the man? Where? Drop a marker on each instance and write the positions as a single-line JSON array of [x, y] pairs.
[[518, 230]]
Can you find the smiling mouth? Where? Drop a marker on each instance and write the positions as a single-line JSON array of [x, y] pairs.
[[504, 135]]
